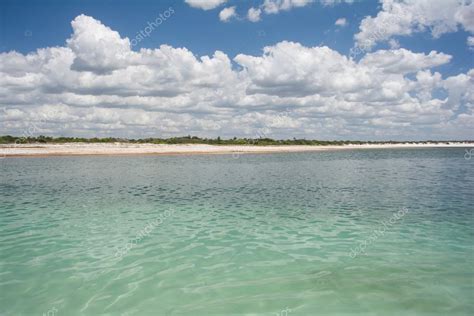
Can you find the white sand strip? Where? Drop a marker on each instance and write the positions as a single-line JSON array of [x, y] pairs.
[[74, 149]]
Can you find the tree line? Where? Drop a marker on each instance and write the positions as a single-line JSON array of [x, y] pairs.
[[198, 140]]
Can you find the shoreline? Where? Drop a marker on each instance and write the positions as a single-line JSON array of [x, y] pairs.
[[128, 149]]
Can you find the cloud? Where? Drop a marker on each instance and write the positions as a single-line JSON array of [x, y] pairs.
[[394, 44], [267, 7], [205, 4], [404, 18], [334, 2], [275, 6], [254, 14], [96, 47], [403, 61], [341, 22], [97, 86], [227, 13], [470, 42]]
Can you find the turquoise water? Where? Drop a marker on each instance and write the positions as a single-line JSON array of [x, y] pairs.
[[368, 232]]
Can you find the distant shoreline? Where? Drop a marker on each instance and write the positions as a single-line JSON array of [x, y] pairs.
[[127, 149]]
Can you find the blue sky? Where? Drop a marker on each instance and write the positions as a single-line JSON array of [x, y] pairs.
[[30, 25], [199, 30], [47, 23]]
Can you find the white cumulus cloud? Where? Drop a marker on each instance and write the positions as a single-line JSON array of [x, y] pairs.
[[470, 42], [227, 13], [96, 46], [254, 14], [97, 86], [275, 6], [406, 17], [341, 22], [205, 4]]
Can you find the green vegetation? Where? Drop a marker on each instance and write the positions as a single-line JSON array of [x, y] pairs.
[[196, 140]]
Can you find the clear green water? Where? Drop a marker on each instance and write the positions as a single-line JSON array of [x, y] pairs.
[[277, 234]]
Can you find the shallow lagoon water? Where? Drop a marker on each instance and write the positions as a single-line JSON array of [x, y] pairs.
[[272, 234]]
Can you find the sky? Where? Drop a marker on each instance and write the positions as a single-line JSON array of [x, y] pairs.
[[328, 69]]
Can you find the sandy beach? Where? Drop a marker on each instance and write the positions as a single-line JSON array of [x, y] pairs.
[[80, 149]]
